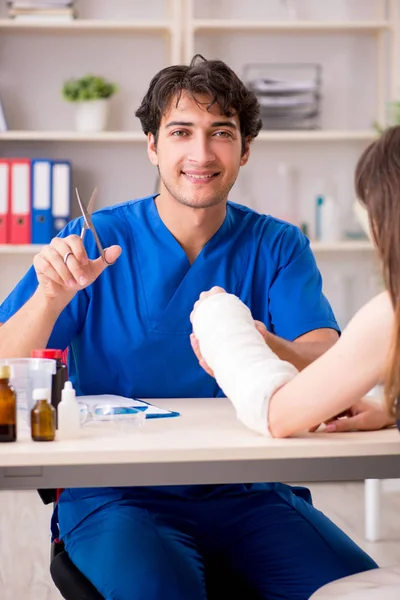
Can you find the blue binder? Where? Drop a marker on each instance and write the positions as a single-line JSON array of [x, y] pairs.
[[42, 222], [60, 194]]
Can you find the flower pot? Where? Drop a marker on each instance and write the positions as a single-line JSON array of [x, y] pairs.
[[91, 115]]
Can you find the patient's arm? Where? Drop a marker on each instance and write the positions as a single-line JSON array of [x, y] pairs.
[[340, 377], [251, 374]]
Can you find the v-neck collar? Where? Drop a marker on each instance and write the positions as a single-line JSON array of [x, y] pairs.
[[165, 233], [170, 284]]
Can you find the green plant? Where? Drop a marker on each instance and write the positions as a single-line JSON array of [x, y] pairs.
[[392, 117], [89, 87]]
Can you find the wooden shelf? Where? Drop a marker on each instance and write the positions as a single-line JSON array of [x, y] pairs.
[[86, 25], [342, 246], [20, 248], [73, 136], [290, 26], [317, 135], [138, 136]]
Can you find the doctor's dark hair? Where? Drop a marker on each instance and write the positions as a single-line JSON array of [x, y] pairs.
[[212, 78], [377, 183]]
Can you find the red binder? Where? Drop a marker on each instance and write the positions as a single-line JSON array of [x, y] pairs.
[[20, 201], [4, 200]]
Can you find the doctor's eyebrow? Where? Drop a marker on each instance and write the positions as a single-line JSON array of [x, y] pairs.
[[189, 124]]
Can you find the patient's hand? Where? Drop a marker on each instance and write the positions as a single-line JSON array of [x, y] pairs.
[[204, 295], [195, 343], [364, 415]]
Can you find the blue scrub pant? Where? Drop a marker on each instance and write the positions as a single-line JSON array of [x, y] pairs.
[[270, 544]]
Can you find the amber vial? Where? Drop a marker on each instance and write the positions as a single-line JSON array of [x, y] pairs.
[[8, 407], [43, 417]]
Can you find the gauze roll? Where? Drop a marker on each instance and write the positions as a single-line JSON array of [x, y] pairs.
[[245, 368]]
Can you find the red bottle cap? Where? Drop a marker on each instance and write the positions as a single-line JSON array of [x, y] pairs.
[[47, 353]]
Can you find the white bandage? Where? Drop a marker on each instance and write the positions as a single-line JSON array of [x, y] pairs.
[[244, 366]]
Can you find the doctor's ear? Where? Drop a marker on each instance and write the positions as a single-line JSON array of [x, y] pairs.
[[246, 153], [152, 149]]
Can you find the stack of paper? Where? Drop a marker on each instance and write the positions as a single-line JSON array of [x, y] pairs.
[[41, 10], [289, 95]]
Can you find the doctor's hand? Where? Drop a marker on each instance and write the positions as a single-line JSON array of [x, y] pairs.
[[63, 268], [364, 415]]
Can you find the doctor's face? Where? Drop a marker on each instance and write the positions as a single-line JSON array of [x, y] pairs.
[[198, 152]]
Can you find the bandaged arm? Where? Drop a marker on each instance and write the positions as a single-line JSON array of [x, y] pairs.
[[246, 369]]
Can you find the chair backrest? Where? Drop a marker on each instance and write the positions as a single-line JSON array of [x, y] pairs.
[[69, 580]]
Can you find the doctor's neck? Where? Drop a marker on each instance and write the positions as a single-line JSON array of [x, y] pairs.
[[192, 226]]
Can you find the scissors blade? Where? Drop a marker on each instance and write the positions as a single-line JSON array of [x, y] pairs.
[[87, 220], [84, 212], [92, 201]]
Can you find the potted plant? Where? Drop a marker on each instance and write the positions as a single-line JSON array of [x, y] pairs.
[[91, 96]]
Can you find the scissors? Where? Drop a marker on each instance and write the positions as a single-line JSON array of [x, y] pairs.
[[87, 221]]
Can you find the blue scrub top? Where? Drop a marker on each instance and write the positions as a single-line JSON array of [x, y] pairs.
[[128, 333]]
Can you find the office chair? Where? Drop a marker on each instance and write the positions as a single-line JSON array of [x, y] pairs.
[[67, 578], [69, 581]]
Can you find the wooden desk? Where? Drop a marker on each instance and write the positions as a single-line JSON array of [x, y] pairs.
[[205, 445]]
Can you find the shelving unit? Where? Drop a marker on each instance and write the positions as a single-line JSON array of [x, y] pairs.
[[179, 29]]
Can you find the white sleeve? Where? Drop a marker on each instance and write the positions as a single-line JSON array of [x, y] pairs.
[[244, 366]]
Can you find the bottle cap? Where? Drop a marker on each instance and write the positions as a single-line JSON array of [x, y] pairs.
[[5, 372], [41, 394], [68, 393], [47, 353]]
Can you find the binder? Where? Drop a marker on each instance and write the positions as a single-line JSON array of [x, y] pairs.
[[4, 200], [42, 222], [20, 203], [3, 122], [61, 194]]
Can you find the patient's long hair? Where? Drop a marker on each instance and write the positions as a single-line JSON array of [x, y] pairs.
[[377, 183]]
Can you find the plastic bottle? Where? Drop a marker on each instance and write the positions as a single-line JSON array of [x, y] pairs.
[[60, 376], [330, 220], [8, 407], [285, 201], [328, 226], [68, 413], [43, 417]]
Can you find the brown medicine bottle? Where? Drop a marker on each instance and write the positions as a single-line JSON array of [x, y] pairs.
[[8, 407], [43, 417]]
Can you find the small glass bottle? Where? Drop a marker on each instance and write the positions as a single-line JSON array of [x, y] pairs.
[[43, 417], [8, 407]]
